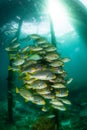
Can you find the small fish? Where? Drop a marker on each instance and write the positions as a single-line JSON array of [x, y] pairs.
[[18, 62], [28, 63], [65, 60], [33, 68], [30, 81], [41, 52], [14, 40], [38, 84], [15, 45], [34, 36], [56, 63], [35, 57], [43, 91], [45, 45], [41, 40], [62, 107], [64, 74], [62, 92], [12, 47], [65, 101], [35, 49], [50, 49], [15, 68], [69, 80], [43, 75], [50, 116], [51, 56], [56, 102], [25, 93], [24, 49], [57, 70], [48, 96], [58, 79], [58, 85], [38, 100], [18, 17], [29, 69]]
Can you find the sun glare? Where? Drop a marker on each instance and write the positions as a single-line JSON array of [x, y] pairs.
[[59, 18], [56, 10], [84, 2], [59, 15]]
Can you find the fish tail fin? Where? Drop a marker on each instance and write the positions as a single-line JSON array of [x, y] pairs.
[[9, 68], [26, 100], [20, 71], [17, 90], [27, 76], [30, 51]]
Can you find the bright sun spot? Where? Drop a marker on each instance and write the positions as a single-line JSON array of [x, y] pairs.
[[59, 16], [84, 2], [56, 10]]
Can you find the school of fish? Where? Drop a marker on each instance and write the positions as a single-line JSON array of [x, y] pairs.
[[40, 67]]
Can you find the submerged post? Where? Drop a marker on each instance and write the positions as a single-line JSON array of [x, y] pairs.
[[10, 96], [19, 29], [53, 38], [53, 41], [11, 80]]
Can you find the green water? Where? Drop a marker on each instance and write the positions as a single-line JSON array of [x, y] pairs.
[[71, 44]]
